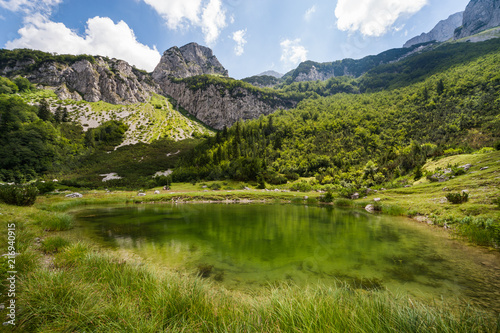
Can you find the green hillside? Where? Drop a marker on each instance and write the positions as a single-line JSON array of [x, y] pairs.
[[335, 138]]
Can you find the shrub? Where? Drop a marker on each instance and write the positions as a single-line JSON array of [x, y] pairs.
[[328, 197], [215, 187], [497, 145], [45, 187], [457, 198], [18, 195], [302, 186]]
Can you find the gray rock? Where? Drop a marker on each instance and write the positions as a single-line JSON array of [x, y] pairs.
[[443, 31], [482, 169], [479, 15], [74, 195], [217, 106], [370, 208], [377, 199], [355, 196], [466, 167], [109, 80], [141, 194], [189, 60], [157, 192]]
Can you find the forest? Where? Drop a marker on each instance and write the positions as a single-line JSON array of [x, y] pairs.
[[345, 132], [352, 139]]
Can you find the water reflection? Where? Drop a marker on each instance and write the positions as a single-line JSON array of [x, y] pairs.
[[247, 246]]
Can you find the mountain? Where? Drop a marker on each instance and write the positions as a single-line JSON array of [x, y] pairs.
[[443, 31], [271, 73], [312, 71], [80, 77], [479, 15], [189, 60]]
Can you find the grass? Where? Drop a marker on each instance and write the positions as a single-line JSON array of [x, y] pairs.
[[54, 221], [54, 244], [88, 288], [96, 291]]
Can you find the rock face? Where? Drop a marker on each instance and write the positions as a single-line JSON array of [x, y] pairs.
[[189, 60], [479, 15], [217, 106], [113, 81], [314, 75], [443, 31]]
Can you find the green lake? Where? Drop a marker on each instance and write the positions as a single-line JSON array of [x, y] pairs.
[[246, 247]]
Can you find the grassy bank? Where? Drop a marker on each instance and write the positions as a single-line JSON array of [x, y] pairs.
[[70, 285]]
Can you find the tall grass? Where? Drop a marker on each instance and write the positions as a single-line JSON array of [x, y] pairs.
[[54, 221], [96, 292]]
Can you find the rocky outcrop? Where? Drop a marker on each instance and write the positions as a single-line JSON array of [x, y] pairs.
[[314, 75], [443, 31], [110, 80], [218, 106], [189, 60], [479, 15]]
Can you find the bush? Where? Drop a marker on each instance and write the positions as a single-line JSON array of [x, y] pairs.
[[274, 178], [328, 197], [302, 186], [18, 195], [45, 187], [215, 187], [457, 198], [497, 145]]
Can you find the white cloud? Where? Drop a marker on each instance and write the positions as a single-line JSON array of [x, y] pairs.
[[205, 14], [373, 17], [239, 38], [29, 6], [292, 53], [102, 37], [309, 13], [213, 20]]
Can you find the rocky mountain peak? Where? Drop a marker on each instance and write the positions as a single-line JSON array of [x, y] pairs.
[[189, 60], [479, 15], [443, 31]]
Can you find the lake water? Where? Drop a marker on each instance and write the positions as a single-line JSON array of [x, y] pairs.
[[250, 246]]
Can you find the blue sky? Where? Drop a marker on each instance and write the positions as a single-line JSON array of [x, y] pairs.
[[247, 36]]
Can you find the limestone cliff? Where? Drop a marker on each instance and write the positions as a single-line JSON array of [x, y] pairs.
[[189, 60], [94, 79], [443, 31], [479, 15], [217, 105]]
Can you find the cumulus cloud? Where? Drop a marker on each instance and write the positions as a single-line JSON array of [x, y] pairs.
[[102, 37], [373, 17], [309, 13], [292, 53], [239, 38], [209, 15]]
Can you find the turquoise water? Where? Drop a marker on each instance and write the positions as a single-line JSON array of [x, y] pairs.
[[250, 246]]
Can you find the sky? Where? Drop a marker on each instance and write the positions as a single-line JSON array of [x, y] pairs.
[[247, 36]]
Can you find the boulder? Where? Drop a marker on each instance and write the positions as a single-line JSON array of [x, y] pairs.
[[157, 192], [355, 196], [74, 195], [370, 208], [141, 194], [377, 199]]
